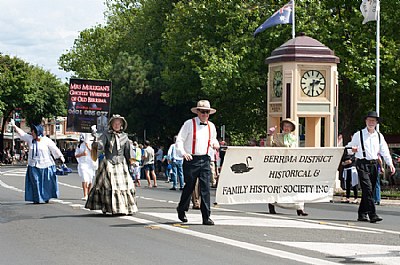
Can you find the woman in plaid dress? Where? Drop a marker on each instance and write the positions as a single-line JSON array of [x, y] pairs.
[[113, 190]]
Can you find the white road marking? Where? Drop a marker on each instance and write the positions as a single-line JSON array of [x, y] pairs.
[[352, 253], [234, 243], [253, 221]]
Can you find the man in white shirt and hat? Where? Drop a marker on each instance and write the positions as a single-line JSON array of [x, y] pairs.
[[368, 144], [195, 140]]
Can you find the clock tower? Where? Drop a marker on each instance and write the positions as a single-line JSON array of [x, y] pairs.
[[303, 86]]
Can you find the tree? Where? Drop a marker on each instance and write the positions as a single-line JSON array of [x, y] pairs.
[[36, 92]]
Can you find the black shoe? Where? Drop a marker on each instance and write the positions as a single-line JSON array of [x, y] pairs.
[[375, 219], [182, 216], [302, 213], [362, 218], [180, 188], [208, 222], [173, 188], [271, 208]]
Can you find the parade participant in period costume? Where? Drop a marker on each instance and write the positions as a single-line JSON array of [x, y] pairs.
[[368, 144], [195, 139], [113, 190], [41, 182], [285, 139]]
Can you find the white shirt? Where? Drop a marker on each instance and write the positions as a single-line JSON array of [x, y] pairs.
[[203, 134], [84, 160], [39, 155], [371, 146]]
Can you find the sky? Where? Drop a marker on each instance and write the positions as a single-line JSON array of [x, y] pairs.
[[39, 31]]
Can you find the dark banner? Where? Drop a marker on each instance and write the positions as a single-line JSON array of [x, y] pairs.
[[88, 104]]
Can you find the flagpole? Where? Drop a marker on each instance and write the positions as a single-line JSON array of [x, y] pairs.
[[378, 22], [293, 22]]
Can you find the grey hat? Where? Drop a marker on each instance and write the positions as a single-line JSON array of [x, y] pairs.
[[117, 116]]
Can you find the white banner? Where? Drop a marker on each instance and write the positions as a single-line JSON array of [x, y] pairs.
[[283, 175]]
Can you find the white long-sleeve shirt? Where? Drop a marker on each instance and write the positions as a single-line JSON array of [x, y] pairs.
[[184, 140], [39, 151], [372, 146]]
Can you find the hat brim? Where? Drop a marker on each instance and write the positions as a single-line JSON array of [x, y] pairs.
[[377, 118], [290, 122], [124, 126], [194, 110]]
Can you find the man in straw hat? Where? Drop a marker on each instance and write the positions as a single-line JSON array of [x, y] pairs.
[[285, 139], [194, 142], [367, 144]]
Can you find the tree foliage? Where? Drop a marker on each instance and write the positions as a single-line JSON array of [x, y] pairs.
[[36, 93], [163, 56]]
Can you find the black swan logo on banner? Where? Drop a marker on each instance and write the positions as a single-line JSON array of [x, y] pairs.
[[242, 167]]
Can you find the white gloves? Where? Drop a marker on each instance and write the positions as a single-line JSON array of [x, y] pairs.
[[12, 122]]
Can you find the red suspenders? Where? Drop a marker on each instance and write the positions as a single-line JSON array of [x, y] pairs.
[[194, 136]]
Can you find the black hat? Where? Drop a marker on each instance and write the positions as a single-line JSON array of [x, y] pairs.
[[372, 114]]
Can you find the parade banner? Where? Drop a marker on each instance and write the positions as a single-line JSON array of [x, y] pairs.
[[88, 104], [283, 175]]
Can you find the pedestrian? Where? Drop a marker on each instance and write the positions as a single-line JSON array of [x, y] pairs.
[[168, 167], [350, 175], [86, 165], [377, 192], [195, 138], [177, 166], [148, 164], [136, 158], [214, 154], [285, 139], [159, 165], [41, 182], [368, 144], [113, 190]]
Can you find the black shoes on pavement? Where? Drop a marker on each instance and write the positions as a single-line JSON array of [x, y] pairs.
[[362, 218], [375, 219], [271, 208], [302, 213], [182, 216], [208, 222], [372, 219]]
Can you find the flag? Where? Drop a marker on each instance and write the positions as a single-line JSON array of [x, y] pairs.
[[369, 10], [282, 16]]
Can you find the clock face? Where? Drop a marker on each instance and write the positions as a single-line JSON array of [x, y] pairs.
[[312, 83], [277, 84]]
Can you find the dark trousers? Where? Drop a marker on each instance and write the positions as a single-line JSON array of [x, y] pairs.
[[349, 187], [198, 168], [367, 174]]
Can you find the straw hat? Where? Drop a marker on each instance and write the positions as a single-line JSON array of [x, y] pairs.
[[203, 105], [291, 122]]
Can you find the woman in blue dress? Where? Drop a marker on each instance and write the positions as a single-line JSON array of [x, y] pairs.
[[41, 183]]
